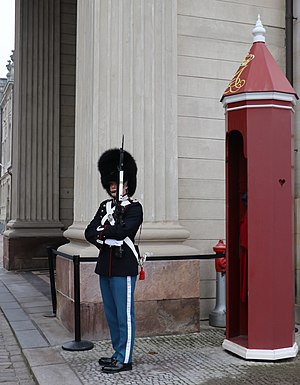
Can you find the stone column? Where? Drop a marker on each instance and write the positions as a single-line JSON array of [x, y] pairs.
[[127, 84], [35, 176]]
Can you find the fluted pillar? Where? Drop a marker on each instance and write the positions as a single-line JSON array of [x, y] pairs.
[[127, 84], [35, 178]]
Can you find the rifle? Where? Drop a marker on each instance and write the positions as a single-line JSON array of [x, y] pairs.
[[118, 214]]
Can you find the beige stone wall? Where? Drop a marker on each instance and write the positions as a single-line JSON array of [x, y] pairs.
[[213, 38], [67, 106]]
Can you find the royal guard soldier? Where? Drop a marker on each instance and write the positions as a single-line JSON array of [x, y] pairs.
[[112, 231]]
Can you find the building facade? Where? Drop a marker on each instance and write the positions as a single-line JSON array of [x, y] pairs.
[[154, 71], [6, 107]]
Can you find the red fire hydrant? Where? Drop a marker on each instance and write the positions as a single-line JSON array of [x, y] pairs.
[[218, 316], [220, 263]]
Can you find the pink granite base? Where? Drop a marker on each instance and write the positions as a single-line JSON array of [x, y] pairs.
[[167, 302], [152, 318]]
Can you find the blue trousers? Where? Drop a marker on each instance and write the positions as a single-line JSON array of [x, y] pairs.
[[118, 300]]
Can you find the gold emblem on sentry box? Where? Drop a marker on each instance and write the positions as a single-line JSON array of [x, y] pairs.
[[237, 83]]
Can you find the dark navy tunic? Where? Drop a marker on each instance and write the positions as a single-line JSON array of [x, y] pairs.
[[103, 231]]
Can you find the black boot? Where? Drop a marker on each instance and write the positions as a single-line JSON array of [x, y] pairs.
[[117, 367], [106, 361]]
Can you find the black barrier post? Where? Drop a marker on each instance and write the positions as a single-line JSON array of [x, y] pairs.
[[52, 283], [76, 261], [78, 344]]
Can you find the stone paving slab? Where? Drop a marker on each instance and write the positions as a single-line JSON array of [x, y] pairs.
[[55, 375], [22, 325], [36, 309], [10, 305], [36, 302], [30, 339], [49, 367], [15, 314], [54, 332], [5, 296], [40, 356]]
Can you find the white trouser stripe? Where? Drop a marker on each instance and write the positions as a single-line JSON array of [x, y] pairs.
[[129, 334]]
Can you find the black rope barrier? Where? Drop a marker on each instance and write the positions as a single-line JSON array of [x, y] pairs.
[[184, 257], [78, 344]]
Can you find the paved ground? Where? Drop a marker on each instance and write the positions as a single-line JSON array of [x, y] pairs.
[[13, 365], [30, 349], [13, 368]]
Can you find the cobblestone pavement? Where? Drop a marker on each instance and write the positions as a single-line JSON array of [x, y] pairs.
[[13, 368], [192, 359]]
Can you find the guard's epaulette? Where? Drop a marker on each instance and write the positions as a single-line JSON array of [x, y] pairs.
[[103, 203], [133, 200]]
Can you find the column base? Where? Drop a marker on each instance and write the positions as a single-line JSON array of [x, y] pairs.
[[261, 354], [25, 244], [164, 238]]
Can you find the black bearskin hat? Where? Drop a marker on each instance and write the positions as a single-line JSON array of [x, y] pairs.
[[108, 165]]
